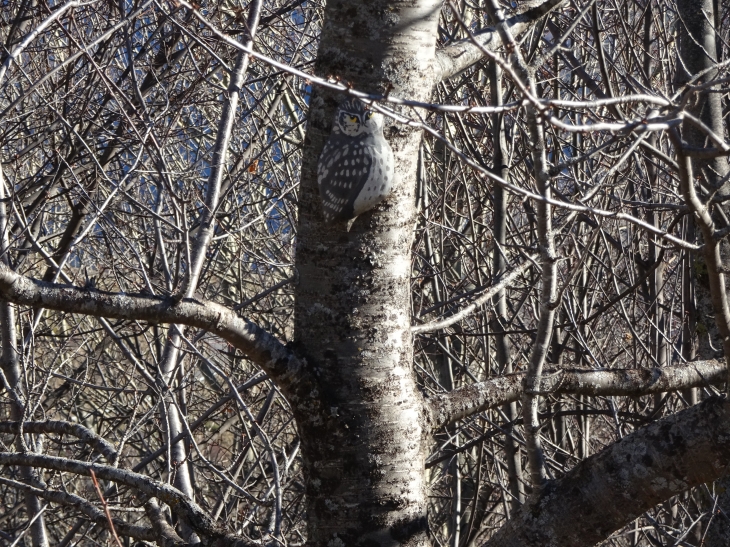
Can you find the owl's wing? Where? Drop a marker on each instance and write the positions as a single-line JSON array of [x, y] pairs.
[[343, 169]]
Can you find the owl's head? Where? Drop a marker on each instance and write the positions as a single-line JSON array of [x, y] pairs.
[[355, 118]]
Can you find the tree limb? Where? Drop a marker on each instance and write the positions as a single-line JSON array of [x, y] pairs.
[[219, 155], [460, 55], [60, 427], [607, 491], [95, 515], [279, 362], [166, 535], [502, 284], [180, 504], [468, 400]]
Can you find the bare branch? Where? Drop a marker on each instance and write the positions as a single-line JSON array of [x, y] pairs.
[[60, 427], [503, 283], [456, 57], [280, 363], [220, 155], [183, 507], [87, 508], [465, 401]]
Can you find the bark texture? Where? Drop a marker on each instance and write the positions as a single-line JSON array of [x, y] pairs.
[[608, 490], [465, 401], [362, 427], [276, 359]]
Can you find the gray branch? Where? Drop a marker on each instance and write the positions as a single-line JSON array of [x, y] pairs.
[[101, 445], [180, 504], [94, 514], [468, 400], [493, 291], [219, 158], [607, 491], [282, 366], [166, 535], [460, 55]]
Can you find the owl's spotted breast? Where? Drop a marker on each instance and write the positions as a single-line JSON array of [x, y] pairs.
[[356, 168]]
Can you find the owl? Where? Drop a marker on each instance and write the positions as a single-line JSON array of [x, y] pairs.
[[356, 168]]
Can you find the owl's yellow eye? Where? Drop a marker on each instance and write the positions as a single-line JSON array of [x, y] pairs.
[[368, 114], [353, 119]]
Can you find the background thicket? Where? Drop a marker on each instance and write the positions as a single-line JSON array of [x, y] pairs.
[[524, 345]]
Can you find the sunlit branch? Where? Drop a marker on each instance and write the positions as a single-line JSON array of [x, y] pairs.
[[262, 348], [468, 400]]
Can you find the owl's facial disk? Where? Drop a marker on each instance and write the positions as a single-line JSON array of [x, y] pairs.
[[353, 124], [350, 123]]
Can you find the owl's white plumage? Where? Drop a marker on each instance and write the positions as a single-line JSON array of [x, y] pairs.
[[356, 168]]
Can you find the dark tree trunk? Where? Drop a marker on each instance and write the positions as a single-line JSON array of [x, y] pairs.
[[499, 265], [698, 53]]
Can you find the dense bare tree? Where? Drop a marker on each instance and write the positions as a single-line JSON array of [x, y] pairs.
[[525, 344]]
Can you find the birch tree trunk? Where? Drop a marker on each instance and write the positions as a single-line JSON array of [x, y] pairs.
[[366, 427], [363, 425]]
